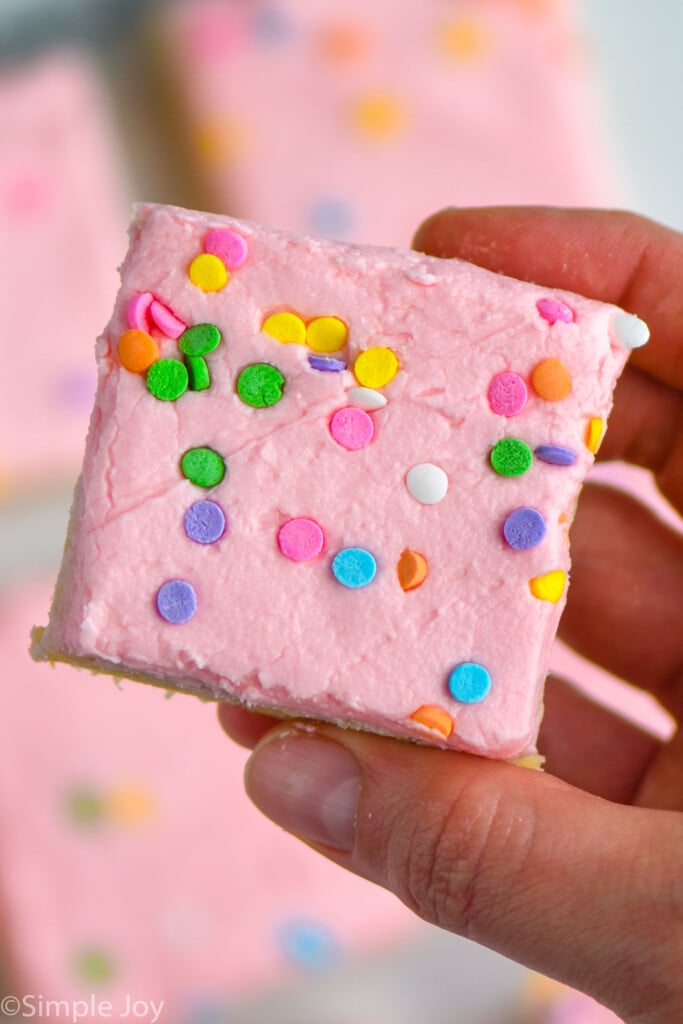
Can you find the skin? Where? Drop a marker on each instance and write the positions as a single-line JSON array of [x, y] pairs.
[[578, 871]]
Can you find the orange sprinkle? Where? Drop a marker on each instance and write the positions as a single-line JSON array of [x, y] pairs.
[[551, 380], [137, 351], [435, 718], [345, 44], [412, 570]]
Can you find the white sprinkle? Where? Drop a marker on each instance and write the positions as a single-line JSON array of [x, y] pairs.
[[366, 398], [427, 483], [629, 330]]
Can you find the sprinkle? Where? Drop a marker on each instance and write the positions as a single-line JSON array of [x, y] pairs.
[[366, 398], [551, 380], [412, 570], [524, 529], [464, 40], [375, 367], [629, 330], [137, 351], [511, 457], [198, 373], [354, 568], [208, 273], [534, 762], [137, 311], [176, 602], [199, 340], [595, 431], [549, 587], [94, 965], [287, 328], [507, 394], [333, 218], [553, 310], [434, 718], [352, 428], [167, 379], [129, 805], [427, 483], [378, 116], [203, 467], [204, 522], [556, 455], [167, 322], [327, 334], [326, 364], [308, 944], [300, 539], [230, 248], [469, 682], [85, 807], [260, 385]]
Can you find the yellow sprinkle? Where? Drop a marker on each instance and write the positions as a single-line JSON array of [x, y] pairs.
[[327, 334], [287, 328], [129, 805], [549, 587], [432, 717], [208, 273], [379, 116], [222, 143], [375, 367], [464, 40], [533, 761], [594, 434]]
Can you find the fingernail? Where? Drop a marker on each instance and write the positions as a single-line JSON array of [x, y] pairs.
[[307, 784]]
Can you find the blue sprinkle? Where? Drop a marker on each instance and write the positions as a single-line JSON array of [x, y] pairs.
[[333, 218], [176, 602], [354, 568], [308, 944], [327, 364], [556, 455], [524, 529], [469, 682], [204, 522], [273, 26]]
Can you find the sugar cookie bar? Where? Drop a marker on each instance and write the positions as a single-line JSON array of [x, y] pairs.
[[334, 481]]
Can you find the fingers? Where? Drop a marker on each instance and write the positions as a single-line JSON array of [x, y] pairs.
[[573, 886], [246, 728]]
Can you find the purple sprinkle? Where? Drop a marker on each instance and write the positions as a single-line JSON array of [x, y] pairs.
[[176, 602], [204, 522], [556, 455], [553, 310], [327, 364], [524, 529]]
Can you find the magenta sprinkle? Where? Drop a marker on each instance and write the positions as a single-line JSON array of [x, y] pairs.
[[553, 310], [507, 394]]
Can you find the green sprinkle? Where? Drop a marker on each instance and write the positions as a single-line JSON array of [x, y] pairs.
[[199, 340], [511, 457], [94, 965], [260, 385], [203, 467], [198, 373], [167, 379], [84, 807]]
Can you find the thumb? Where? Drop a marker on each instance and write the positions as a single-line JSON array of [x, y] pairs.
[[581, 889]]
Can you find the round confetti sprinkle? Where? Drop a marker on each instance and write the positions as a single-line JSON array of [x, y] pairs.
[[137, 311], [511, 457], [507, 394], [129, 805], [464, 40], [327, 334], [84, 807], [595, 431], [273, 25], [208, 273], [204, 522], [412, 570], [137, 351], [556, 455], [549, 587], [199, 340], [203, 467], [375, 367], [176, 601], [326, 364], [167, 322], [551, 380], [308, 944], [345, 43], [524, 529], [167, 379], [230, 248], [260, 385], [366, 398], [427, 483], [333, 218], [434, 718], [354, 568], [352, 428], [469, 683], [94, 965], [300, 539], [629, 330], [379, 116], [287, 328], [553, 310]]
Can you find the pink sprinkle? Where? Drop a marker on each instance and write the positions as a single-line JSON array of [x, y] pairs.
[[352, 428], [300, 539], [167, 322], [507, 394], [228, 246], [137, 311], [553, 310]]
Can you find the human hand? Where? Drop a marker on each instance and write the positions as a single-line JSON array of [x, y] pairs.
[[576, 872]]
